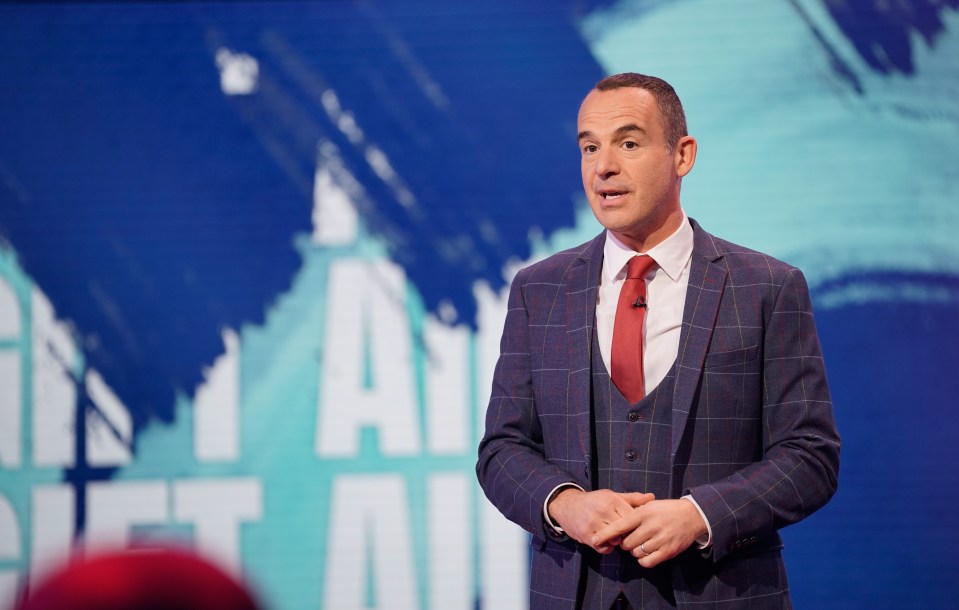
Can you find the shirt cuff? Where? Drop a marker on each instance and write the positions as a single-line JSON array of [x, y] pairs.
[[552, 495], [705, 540]]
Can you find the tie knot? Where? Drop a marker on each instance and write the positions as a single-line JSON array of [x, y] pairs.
[[639, 266]]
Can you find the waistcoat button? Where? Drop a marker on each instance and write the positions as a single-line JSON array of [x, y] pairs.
[[631, 455]]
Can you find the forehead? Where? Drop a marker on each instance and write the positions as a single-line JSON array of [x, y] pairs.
[[606, 111]]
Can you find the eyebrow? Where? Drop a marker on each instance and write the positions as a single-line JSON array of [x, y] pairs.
[[619, 131]]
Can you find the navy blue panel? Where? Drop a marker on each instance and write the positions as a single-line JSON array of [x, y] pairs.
[[123, 158]]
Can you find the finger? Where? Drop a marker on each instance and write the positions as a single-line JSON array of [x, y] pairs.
[[637, 499], [658, 553], [616, 529], [633, 540], [607, 546], [643, 549], [648, 553], [653, 559]]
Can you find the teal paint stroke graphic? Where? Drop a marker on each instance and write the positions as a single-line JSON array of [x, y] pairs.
[[794, 162]]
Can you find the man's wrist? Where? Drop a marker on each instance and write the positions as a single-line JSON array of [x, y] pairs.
[[705, 540], [550, 522]]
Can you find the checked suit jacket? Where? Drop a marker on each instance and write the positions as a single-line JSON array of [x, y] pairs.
[[753, 437]]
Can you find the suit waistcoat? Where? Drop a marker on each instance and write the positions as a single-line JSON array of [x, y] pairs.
[[631, 452]]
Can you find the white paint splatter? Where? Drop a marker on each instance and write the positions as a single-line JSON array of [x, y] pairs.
[[239, 72]]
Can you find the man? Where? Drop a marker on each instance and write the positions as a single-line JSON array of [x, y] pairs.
[[654, 423]]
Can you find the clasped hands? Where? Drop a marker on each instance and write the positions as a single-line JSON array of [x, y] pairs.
[[651, 530]]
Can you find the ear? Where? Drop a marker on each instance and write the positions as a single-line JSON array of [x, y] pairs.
[[685, 155]]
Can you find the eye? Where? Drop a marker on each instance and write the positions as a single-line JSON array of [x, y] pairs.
[[589, 149], [630, 145]]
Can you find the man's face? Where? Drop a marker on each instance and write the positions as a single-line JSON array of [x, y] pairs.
[[630, 175]]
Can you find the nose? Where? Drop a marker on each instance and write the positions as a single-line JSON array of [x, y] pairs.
[[606, 163]]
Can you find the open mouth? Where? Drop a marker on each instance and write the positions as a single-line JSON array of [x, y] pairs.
[[611, 195]]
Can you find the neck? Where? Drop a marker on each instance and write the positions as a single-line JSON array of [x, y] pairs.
[[645, 240]]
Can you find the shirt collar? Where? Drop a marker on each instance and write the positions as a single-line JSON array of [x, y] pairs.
[[671, 254]]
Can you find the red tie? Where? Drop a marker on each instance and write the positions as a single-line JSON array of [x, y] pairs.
[[627, 356]]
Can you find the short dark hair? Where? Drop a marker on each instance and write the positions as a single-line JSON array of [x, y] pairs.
[[670, 108]]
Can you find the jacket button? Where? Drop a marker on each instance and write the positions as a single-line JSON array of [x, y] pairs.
[[633, 416], [631, 455]]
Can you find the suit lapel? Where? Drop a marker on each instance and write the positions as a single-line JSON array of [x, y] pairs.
[[707, 278], [582, 287]]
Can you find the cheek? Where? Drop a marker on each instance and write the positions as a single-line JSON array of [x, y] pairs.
[[587, 180]]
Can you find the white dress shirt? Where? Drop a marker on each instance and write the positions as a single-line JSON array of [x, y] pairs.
[[665, 296]]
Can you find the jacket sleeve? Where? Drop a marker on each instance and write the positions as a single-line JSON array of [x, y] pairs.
[[798, 470], [512, 468]]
